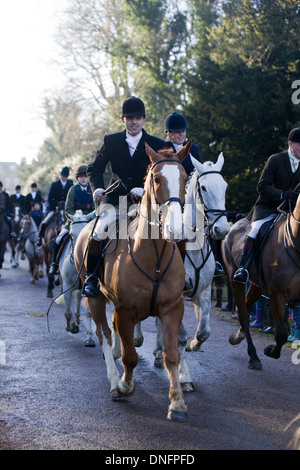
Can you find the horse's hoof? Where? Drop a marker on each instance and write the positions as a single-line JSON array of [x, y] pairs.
[[187, 387], [159, 362], [126, 392], [235, 339], [192, 345], [90, 343], [116, 395], [138, 342], [178, 416], [49, 294], [75, 330], [270, 352], [255, 365]]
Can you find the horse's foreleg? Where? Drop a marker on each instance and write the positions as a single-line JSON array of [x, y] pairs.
[[238, 291], [125, 327], [277, 306], [98, 311], [171, 321]]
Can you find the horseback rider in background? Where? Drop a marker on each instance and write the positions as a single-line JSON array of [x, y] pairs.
[[56, 198], [79, 197], [5, 209], [279, 177]]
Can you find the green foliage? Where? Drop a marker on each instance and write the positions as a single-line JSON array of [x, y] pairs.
[[240, 90], [228, 66]]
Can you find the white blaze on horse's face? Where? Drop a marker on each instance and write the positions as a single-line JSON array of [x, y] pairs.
[[171, 212]]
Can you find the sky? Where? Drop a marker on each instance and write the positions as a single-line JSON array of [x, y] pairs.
[[27, 72]]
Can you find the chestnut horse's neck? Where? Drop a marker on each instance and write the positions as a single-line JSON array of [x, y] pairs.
[[148, 223], [292, 227]]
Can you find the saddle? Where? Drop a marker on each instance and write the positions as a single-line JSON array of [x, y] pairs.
[[63, 243], [261, 240]]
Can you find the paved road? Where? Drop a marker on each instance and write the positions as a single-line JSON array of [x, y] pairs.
[[55, 394]]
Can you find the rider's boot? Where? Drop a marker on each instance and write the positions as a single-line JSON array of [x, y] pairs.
[[91, 287], [54, 265], [41, 234], [241, 275]]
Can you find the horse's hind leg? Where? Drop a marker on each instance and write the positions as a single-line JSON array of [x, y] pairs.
[[277, 306], [124, 324], [171, 321], [202, 305], [98, 311], [138, 335], [184, 374]]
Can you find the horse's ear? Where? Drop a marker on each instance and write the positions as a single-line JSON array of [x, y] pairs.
[[183, 152], [220, 161], [154, 156], [197, 165]]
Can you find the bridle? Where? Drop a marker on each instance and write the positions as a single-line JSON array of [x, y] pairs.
[[170, 199], [220, 212], [204, 253]]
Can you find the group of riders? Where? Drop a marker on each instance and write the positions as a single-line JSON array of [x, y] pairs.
[[125, 151]]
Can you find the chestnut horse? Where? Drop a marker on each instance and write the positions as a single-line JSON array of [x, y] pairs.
[[144, 275], [277, 273]]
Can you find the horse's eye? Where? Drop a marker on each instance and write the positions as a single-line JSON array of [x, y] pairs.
[[203, 188], [157, 180]]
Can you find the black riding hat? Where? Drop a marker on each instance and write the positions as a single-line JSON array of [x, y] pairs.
[[175, 122], [133, 107], [294, 135], [81, 170]]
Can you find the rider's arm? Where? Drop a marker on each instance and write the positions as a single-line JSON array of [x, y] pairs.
[[96, 169], [270, 185], [70, 201]]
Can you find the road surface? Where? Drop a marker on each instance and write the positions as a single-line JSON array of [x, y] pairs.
[[55, 394]]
